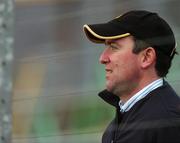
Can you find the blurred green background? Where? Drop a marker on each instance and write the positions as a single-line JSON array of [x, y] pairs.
[[57, 75]]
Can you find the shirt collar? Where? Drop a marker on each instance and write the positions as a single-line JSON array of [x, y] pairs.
[[124, 107]]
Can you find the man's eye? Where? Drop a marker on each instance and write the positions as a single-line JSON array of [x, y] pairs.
[[113, 47]]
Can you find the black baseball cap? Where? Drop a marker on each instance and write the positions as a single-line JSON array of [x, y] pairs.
[[143, 25]]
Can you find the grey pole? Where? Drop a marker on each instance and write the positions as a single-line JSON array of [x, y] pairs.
[[6, 59]]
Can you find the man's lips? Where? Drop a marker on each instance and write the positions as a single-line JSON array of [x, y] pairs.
[[108, 73], [108, 70]]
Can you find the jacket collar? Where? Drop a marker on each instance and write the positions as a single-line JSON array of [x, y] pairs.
[[113, 100], [109, 98]]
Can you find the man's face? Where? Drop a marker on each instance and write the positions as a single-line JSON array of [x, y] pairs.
[[121, 65]]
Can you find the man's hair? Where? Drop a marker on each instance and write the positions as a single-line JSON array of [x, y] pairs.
[[163, 62]]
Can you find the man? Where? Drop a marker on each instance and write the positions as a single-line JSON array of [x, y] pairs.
[[140, 46]]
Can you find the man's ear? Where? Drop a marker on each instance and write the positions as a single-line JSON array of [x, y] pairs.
[[148, 57]]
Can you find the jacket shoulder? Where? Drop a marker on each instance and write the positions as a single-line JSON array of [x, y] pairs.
[[162, 103]]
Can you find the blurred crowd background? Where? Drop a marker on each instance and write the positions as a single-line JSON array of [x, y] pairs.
[[56, 74]]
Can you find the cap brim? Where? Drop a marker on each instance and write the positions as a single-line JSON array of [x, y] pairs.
[[98, 33]]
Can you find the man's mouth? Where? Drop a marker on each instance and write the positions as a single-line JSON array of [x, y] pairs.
[[108, 70]]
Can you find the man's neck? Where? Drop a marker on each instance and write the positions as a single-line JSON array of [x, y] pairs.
[[140, 85]]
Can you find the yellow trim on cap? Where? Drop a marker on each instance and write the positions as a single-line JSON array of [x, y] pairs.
[[118, 16], [174, 51], [87, 28]]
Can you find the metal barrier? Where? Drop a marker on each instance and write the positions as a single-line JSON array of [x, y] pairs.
[[6, 56]]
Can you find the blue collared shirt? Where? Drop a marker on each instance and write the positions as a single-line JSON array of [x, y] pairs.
[[139, 95]]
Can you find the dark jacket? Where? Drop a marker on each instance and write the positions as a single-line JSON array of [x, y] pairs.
[[153, 119]]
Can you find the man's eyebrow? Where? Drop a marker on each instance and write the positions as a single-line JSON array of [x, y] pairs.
[[112, 43], [109, 42]]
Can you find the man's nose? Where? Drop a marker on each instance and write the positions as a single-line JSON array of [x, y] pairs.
[[104, 57]]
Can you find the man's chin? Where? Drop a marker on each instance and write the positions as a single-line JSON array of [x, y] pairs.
[[109, 88]]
